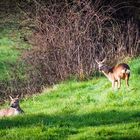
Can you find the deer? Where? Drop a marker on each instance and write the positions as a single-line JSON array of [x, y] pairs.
[[115, 73], [13, 110]]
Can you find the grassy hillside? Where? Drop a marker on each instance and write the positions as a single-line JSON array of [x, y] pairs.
[[11, 45], [79, 110]]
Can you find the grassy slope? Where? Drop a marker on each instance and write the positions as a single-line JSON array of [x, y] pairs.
[[11, 45], [79, 110]]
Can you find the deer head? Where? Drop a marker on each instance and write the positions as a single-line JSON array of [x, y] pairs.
[[14, 102], [101, 65]]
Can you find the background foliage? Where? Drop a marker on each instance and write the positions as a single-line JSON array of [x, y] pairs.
[[65, 38]]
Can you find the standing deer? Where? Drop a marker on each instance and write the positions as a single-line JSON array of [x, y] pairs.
[[116, 73], [13, 110]]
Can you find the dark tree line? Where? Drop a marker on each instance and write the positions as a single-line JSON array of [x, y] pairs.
[[126, 8]]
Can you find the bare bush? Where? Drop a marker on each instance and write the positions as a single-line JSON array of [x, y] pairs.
[[70, 36]]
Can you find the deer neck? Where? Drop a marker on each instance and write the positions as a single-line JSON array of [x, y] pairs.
[[108, 74], [18, 108]]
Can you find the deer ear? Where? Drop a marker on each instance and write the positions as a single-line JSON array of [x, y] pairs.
[[17, 96], [10, 97], [96, 61], [103, 60]]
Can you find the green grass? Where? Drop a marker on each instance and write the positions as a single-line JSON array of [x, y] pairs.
[[11, 46], [79, 111]]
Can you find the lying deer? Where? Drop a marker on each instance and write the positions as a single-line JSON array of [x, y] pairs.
[[13, 110], [116, 73]]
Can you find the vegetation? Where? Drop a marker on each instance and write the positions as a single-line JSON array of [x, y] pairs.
[[69, 109], [70, 36], [66, 38], [11, 48], [79, 110]]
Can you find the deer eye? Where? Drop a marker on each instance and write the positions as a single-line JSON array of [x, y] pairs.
[[101, 67]]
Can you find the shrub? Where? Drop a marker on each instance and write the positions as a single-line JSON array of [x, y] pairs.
[[69, 37]]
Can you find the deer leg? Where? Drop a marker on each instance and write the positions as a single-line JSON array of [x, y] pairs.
[[119, 83], [113, 84], [126, 80]]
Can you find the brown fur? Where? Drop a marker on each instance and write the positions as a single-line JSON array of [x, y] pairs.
[[116, 73], [13, 110]]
